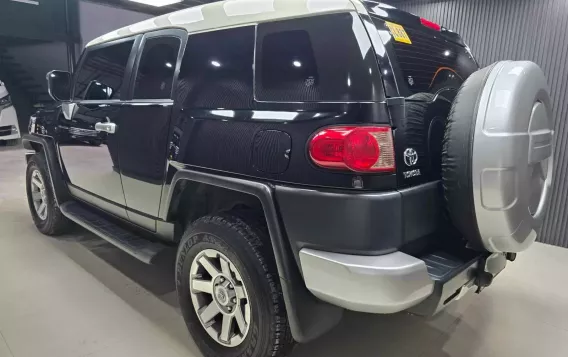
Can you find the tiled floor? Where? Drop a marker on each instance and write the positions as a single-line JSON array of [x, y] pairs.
[[77, 296]]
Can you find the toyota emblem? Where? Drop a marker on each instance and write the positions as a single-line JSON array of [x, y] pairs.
[[410, 157]]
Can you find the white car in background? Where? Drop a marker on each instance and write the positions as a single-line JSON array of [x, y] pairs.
[[9, 129]]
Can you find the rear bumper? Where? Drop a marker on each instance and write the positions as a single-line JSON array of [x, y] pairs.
[[358, 222], [392, 282], [376, 284]]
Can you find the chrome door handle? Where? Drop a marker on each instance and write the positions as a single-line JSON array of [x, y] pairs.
[[106, 127]]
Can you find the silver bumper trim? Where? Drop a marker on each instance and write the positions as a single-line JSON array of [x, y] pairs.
[[376, 284]]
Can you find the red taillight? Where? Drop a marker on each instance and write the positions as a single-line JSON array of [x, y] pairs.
[[358, 148], [430, 24]]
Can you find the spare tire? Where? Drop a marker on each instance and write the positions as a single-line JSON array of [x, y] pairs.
[[497, 156], [422, 129]]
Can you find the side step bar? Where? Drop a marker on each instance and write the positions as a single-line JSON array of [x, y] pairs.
[[132, 244]]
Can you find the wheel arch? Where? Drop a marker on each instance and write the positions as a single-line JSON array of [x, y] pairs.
[[192, 200], [45, 146], [309, 317]]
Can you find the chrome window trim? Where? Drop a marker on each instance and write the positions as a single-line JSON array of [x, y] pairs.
[[122, 102]]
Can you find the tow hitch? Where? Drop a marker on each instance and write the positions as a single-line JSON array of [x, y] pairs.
[[489, 268], [455, 278]]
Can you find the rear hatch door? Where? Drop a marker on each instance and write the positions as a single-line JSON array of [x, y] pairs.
[[429, 64]]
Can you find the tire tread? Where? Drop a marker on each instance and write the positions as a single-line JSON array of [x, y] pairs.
[[250, 226], [56, 223]]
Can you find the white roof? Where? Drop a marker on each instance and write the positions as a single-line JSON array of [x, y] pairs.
[[230, 13]]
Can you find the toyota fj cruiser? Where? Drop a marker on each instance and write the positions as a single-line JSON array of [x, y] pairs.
[[305, 156]]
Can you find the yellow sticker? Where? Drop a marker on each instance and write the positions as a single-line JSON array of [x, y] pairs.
[[398, 33]]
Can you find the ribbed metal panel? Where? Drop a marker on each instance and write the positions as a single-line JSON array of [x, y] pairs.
[[518, 30]]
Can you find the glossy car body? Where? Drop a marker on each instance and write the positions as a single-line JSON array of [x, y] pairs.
[[9, 128], [154, 154]]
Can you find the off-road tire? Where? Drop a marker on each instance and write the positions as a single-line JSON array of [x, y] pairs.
[[245, 242], [55, 223]]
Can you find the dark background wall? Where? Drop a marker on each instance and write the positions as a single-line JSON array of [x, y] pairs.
[[42, 21], [96, 19], [535, 30], [34, 39]]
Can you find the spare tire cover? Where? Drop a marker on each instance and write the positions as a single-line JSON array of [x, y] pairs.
[[497, 156]]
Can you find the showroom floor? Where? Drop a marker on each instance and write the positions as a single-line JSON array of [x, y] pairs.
[[77, 295]]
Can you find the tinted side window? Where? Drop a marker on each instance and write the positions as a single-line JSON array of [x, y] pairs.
[[102, 72], [320, 58], [155, 75], [216, 71]]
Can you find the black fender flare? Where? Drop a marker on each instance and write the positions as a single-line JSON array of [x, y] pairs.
[[36, 144], [308, 316]]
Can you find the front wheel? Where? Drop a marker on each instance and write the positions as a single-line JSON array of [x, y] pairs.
[[229, 290], [41, 199]]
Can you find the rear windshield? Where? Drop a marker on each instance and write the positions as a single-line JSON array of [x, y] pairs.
[[429, 63]]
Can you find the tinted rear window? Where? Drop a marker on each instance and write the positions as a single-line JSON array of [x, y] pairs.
[[320, 58], [217, 70], [430, 63]]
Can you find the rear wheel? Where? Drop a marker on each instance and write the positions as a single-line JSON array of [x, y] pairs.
[[41, 200], [229, 290], [220, 292]]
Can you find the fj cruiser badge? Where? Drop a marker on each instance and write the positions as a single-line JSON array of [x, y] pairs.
[[410, 157]]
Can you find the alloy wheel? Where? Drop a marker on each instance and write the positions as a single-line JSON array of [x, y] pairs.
[[219, 298], [39, 196]]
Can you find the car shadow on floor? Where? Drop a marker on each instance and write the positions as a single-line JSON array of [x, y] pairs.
[[358, 334], [157, 278]]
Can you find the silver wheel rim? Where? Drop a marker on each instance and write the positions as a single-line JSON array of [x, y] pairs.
[[39, 196], [219, 298]]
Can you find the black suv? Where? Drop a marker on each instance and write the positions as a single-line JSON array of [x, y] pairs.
[[304, 156]]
